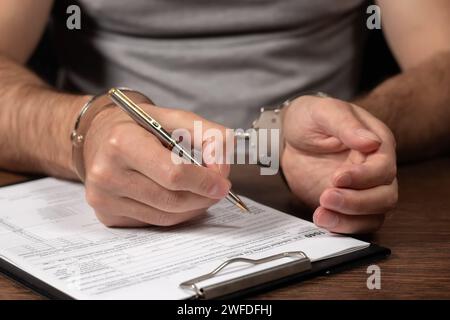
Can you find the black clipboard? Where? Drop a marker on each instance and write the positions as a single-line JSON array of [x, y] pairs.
[[297, 271], [306, 270]]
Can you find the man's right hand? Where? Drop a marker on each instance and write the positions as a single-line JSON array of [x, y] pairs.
[[131, 179]]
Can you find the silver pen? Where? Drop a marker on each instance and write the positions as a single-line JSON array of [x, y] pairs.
[[150, 124]]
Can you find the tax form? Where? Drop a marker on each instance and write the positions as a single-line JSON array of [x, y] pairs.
[[48, 230]]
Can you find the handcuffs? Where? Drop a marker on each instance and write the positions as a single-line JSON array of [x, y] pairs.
[[272, 119], [268, 119], [87, 114]]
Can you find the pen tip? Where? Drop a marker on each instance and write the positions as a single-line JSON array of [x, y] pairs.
[[243, 207], [233, 198]]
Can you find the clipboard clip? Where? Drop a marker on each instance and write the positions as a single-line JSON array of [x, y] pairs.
[[300, 263]]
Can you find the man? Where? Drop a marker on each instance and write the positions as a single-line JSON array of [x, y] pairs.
[[223, 60]]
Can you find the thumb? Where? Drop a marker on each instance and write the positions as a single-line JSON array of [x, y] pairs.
[[337, 118]]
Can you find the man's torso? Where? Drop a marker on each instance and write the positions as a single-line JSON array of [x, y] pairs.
[[222, 59]]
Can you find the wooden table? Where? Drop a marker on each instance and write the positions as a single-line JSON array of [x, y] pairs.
[[417, 231]]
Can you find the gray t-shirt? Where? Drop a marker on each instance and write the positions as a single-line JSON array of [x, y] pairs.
[[222, 59]]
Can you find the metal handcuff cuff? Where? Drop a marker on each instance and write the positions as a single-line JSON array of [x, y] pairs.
[[270, 119], [87, 114]]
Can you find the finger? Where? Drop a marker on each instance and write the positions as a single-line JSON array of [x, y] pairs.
[[138, 211], [102, 203], [138, 187], [158, 164], [337, 118], [172, 119], [341, 223], [216, 160], [119, 222], [109, 209], [195, 133], [377, 169], [360, 202]]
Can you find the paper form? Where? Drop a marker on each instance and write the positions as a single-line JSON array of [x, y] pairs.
[[48, 230]]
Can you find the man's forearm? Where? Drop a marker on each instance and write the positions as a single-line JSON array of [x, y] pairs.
[[416, 107], [35, 123]]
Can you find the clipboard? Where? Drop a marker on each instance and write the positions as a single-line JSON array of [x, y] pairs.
[[298, 270]]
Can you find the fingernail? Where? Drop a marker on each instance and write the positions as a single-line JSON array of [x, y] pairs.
[[366, 134], [344, 180], [327, 219], [334, 199]]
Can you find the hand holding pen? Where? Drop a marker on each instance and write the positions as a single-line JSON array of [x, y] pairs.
[[152, 125], [131, 180]]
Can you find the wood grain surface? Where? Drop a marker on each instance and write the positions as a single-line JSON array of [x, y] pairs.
[[417, 232]]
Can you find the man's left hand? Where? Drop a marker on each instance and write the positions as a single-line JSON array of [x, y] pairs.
[[339, 159]]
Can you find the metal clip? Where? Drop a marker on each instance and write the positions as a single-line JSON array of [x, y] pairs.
[[300, 264]]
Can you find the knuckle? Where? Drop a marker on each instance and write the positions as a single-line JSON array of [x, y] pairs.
[[175, 176], [171, 202], [225, 170], [388, 135], [205, 182], [107, 221], [94, 199], [117, 139], [390, 172], [99, 174], [387, 169], [164, 220], [355, 203]]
